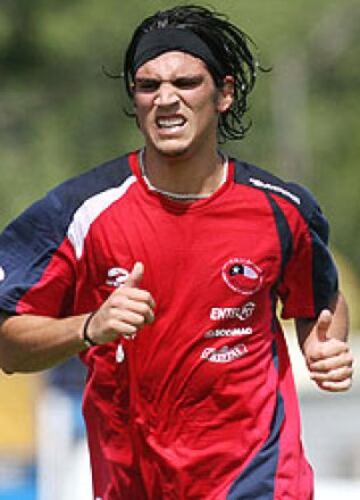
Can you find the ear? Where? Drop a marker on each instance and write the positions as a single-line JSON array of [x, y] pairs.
[[226, 94]]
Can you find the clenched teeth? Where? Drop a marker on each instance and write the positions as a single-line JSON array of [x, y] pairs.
[[170, 122]]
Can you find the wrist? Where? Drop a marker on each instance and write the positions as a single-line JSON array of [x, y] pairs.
[[85, 337]]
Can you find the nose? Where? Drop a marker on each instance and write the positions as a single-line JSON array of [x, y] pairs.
[[166, 95]]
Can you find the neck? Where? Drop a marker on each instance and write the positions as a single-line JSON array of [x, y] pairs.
[[190, 178]]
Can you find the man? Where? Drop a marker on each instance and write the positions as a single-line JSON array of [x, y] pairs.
[[163, 269]]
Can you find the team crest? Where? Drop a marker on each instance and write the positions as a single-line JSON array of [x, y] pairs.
[[242, 276]]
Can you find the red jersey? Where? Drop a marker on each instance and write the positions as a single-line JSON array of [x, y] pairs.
[[202, 403]]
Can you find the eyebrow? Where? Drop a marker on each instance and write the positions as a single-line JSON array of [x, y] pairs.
[[177, 81]]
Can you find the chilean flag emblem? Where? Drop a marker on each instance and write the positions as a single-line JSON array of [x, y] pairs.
[[242, 276]]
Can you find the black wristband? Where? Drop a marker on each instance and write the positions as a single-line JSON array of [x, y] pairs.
[[88, 341]]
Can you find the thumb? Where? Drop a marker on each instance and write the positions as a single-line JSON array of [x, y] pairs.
[[323, 324], [135, 277]]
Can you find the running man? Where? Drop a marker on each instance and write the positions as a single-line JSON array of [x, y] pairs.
[[163, 268]]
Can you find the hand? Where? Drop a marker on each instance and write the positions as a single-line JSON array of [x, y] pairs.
[[329, 359], [125, 311]]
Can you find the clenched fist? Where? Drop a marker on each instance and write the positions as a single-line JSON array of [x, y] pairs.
[[329, 359]]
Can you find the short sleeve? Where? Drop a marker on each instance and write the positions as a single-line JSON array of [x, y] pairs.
[[36, 262], [310, 277]]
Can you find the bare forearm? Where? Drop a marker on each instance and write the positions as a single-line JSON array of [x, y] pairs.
[[32, 343]]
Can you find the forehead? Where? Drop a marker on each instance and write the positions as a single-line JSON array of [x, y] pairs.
[[172, 64]]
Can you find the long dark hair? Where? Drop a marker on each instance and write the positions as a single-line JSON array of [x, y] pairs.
[[227, 42]]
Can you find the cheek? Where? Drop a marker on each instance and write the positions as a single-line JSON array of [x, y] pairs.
[[142, 113], [142, 105], [206, 113], [205, 104]]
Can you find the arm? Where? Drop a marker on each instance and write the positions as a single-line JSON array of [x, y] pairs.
[[325, 348], [31, 343]]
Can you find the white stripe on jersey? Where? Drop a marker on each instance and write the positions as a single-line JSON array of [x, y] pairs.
[[90, 210]]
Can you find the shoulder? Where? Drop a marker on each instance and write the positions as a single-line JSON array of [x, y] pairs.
[[106, 176], [63, 201], [293, 194], [52, 214]]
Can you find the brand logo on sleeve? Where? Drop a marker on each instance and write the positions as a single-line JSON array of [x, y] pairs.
[[277, 189], [2, 274], [242, 276]]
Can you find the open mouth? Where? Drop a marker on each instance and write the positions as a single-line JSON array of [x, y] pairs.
[[170, 122]]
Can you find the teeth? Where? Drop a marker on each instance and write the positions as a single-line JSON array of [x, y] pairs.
[[170, 122]]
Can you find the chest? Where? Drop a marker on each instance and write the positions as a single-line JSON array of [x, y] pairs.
[[211, 273], [226, 254]]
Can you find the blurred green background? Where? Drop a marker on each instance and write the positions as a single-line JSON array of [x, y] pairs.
[[60, 115]]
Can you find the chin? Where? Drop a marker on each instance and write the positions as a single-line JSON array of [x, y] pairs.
[[173, 151]]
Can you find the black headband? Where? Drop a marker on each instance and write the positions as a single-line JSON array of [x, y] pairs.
[[156, 42]]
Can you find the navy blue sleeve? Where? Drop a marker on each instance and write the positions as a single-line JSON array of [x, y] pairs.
[[310, 278], [27, 247], [36, 258]]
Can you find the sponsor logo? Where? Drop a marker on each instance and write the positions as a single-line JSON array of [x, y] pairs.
[[228, 332], [276, 189], [116, 276], [241, 313], [242, 276], [225, 354], [2, 274]]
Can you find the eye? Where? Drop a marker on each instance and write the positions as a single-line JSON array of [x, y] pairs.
[[187, 83], [146, 85]]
